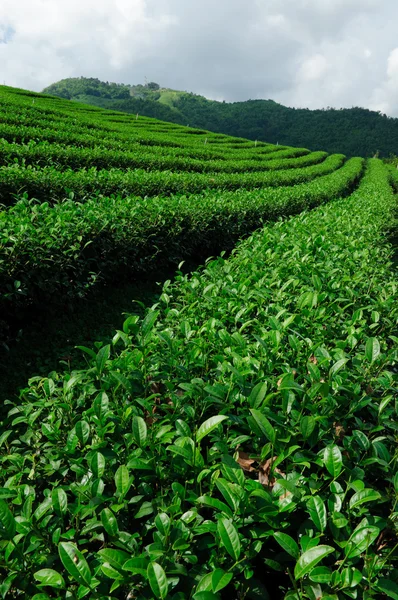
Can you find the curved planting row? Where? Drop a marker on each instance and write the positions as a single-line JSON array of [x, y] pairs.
[[73, 137], [237, 442], [76, 158], [49, 184], [59, 134], [101, 130], [47, 251]]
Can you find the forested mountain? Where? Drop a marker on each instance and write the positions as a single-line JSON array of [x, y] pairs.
[[353, 131]]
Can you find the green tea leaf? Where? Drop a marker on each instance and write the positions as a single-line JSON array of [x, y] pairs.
[[360, 540], [50, 577], [7, 522], [6, 584], [163, 523], [372, 349], [6, 493], [321, 575], [229, 537], [307, 426], [258, 394], [220, 579], [43, 508], [4, 436], [361, 439], [97, 465], [387, 587], [122, 480], [109, 521], [136, 565], [287, 543], [60, 501], [116, 558], [333, 460], [157, 580], [339, 520], [350, 577], [317, 511], [265, 426], [145, 509], [214, 503], [310, 559], [111, 572], [183, 428], [149, 322], [139, 431], [101, 405], [366, 495], [337, 366], [204, 584], [228, 493], [75, 563], [82, 429], [209, 426], [102, 357], [88, 351]]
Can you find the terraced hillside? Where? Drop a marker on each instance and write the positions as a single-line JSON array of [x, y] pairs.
[[238, 440], [95, 194]]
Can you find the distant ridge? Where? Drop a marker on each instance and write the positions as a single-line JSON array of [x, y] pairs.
[[353, 131]]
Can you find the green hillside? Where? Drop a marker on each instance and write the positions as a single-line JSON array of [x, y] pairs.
[[353, 131], [237, 437], [139, 99]]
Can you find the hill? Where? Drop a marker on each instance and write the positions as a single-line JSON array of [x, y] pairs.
[[353, 131]]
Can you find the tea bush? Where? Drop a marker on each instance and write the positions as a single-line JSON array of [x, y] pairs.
[[62, 250], [239, 441]]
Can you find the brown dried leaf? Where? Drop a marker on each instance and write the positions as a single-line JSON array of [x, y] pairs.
[[263, 478], [149, 419], [313, 360], [245, 461], [265, 472], [267, 465], [339, 430]]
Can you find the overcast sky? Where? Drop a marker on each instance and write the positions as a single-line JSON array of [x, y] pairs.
[[307, 53]]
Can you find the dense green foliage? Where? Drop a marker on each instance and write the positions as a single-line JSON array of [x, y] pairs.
[[95, 195], [353, 131], [244, 428], [49, 183], [117, 96], [239, 438], [58, 250]]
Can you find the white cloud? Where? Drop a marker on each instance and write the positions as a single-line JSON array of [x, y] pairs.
[[313, 68], [300, 52], [385, 96], [392, 65]]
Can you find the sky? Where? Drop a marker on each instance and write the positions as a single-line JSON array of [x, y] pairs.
[[303, 53]]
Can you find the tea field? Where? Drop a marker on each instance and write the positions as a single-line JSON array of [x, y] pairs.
[[238, 440]]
